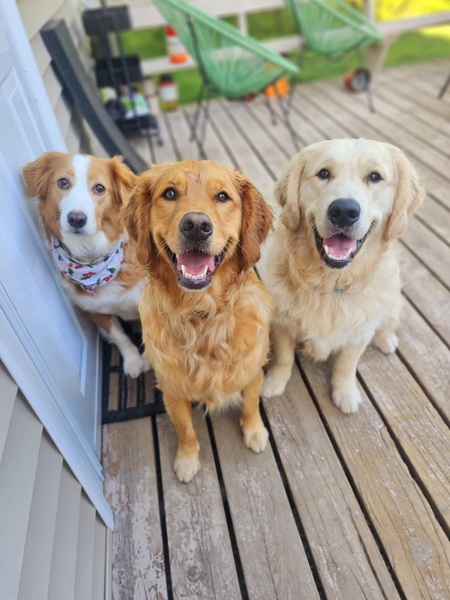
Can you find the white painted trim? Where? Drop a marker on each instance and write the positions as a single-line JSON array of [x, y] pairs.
[[42, 400], [26, 366]]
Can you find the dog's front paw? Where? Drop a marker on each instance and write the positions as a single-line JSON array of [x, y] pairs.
[[386, 343], [256, 439], [347, 401], [275, 381], [186, 467], [135, 363], [146, 366]]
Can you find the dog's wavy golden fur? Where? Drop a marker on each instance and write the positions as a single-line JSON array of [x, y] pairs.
[[205, 314], [332, 268]]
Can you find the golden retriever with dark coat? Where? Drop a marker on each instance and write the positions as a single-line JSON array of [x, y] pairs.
[[333, 269], [205, 314]]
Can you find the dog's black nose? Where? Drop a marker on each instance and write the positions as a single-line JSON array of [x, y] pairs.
[[344, 212], [196, 226], [77, 219]]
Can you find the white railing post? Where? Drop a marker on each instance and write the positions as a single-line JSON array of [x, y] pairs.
[[369, 9], [242, 22]]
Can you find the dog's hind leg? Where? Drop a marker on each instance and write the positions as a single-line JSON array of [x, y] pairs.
[[255, 434], [344, 389], [134, 363], [279, 373], [187, 463]]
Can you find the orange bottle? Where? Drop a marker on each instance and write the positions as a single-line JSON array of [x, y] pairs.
[[175, 49]]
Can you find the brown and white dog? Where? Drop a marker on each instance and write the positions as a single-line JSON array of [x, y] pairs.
[[333, 269], [80, 198], [205, 316]]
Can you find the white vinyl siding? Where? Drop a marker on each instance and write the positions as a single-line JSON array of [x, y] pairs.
[[34, 16], [53, 543]]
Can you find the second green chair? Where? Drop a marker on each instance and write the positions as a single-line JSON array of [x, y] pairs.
[[333, 28]]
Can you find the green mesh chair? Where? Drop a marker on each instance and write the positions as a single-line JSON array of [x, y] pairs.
[[334, 28], [230, 62]]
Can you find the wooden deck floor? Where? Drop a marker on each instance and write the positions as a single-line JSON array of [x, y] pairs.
[[338, 507]]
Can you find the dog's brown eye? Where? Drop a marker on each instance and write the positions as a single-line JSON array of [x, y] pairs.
[[323, 174], [99, 188], [374, 177], [63, 184], [222, 197], [170, 194]]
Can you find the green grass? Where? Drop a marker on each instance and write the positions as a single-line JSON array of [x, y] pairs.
[[410, 48]]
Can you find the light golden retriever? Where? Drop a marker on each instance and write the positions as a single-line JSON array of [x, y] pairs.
[[333, 270], [205, 314]]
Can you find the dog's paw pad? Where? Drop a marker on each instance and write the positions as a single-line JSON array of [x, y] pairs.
[[275, 382], [386, 343], [186, 467], [256, 439], [347, 402]]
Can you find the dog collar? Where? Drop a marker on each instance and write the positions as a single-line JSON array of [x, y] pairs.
[[87, 275], [340, 291]]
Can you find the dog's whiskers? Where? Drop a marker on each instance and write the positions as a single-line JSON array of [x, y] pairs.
[[165, 246]]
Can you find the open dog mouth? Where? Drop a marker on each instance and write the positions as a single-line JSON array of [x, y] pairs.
[[339, 250], [194, 268]]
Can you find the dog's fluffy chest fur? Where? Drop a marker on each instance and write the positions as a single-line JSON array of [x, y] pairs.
[[207, 350], [329, 314], [113, 298]]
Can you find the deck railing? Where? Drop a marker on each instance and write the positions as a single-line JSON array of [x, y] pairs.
[[144, 15]]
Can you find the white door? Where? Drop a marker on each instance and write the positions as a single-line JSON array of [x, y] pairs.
[[50, 351]]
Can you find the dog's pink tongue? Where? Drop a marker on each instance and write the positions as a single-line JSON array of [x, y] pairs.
[[195, 263], [339, 246]]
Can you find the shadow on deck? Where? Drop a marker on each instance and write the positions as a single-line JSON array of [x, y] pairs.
[[338, 506]]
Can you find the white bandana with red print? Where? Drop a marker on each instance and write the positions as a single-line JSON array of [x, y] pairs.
[[87, 275]]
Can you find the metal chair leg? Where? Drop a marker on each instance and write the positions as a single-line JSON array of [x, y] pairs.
[[369, 99], [285, 112], [201, 140], [444, 88], [270, 107], [368, 90], [198, 107], [292, 89], [296, 79]]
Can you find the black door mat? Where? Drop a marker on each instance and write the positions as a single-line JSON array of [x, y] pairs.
[[124, 398]]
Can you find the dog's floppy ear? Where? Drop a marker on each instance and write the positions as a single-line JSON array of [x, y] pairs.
[[409, 195], [135, 215], [37, 174], [257, 219], [123, 177], [287, 191]]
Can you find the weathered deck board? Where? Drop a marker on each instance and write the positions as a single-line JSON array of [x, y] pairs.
[[130, 486], [433, 252], [202, 563], [427, 293], [339, 506], [426, 355], [415, 545], [415, 424], [272, 555], [344, 550]]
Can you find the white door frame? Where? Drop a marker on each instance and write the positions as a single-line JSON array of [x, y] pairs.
[[28, 371]]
